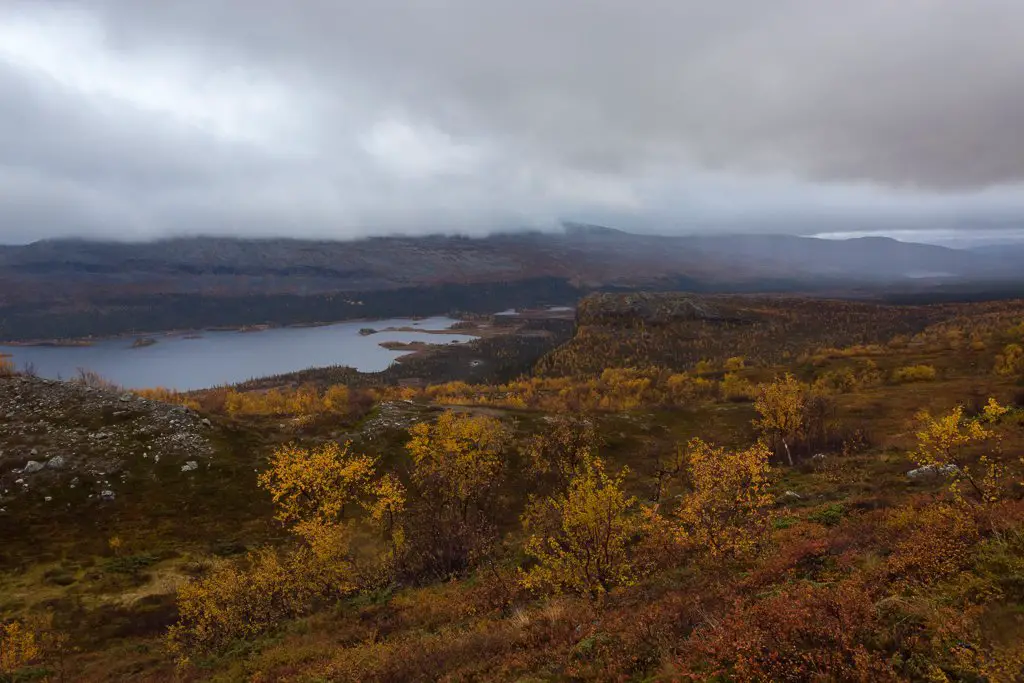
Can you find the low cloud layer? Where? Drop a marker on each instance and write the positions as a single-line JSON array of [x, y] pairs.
[[133, 120]]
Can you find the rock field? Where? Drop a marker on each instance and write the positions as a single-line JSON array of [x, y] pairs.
[[66, 435]]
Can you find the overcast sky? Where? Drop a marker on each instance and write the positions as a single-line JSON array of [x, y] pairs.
[[325, 118]]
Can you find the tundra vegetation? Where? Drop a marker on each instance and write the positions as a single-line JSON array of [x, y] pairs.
[[785, 504]]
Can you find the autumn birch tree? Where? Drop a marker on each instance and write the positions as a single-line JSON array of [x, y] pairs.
[[458, 464], [317, 483], [781, 409], [727, 509], [586, 551], [458, 458]]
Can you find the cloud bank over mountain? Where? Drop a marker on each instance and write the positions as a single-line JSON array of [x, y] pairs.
[[129, 120]]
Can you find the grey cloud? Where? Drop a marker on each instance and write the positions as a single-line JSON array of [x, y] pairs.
[[344, 119]]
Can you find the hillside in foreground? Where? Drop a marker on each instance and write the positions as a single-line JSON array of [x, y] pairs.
[[692, 488]]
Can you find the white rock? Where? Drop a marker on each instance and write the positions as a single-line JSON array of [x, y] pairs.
[[189, 466], [32, 466], [931, 471]]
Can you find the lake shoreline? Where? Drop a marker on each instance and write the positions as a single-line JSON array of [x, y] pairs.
[[197, 333], [185, 361], [502, 318]]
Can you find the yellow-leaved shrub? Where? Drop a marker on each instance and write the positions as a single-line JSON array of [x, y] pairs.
[[318, 482], [726, 512], [234, 602], [458, 458], [943, 441], [586, 548], [914, 373]]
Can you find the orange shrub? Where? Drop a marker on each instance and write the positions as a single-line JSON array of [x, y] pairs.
[[803, 632], [931, 543]]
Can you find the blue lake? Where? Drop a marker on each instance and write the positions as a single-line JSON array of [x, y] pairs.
[[179, 362]]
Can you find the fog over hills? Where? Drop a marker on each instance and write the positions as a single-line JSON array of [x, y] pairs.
[[137, 121], [201, 135], [590, 255]]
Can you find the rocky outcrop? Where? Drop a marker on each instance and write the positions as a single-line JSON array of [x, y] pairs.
[[67, 434]]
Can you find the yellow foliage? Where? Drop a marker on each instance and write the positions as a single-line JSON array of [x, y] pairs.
[[735, 363], [781, 406], [727, 511], [311, 489], [704, 367], [387, 508], [563, 449], [459, 457], [237, 602], [305, 401], [323, 566], [317, 483], [7, 367], [1010, 363], [914, 373], [28, 642], [19, 646], [941, 441], [1003, 662], [736, 388], [837, 381], [615, 389], [586, 551], [993, 411]]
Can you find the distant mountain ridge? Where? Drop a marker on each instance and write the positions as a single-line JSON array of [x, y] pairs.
[[593, 254], [56, 277]]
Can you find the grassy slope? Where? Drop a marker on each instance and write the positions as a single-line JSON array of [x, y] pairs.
[[117, 608]]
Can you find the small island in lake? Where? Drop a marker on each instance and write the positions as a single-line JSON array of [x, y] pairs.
[[143, 342], [367, 331]]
